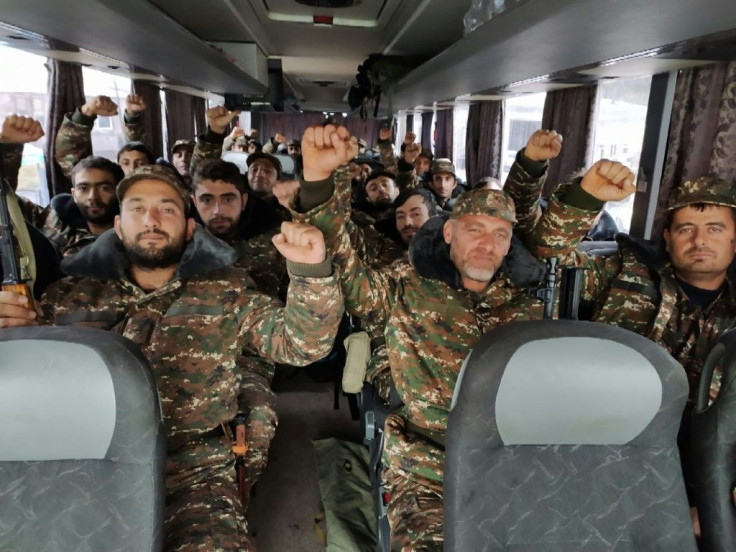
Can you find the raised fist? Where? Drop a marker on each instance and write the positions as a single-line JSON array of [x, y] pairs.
[[135, 104], [411, 152], [300, 243], [279, 138], [219, 117], [609, 181], [543, 145], [324, 148], [384, 134], [286, 192], [410, 138], [101, 105], [17, 129]]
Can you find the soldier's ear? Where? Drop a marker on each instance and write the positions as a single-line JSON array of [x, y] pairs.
[[191, 225], [116, 223], [244, 195], [667, 240], [447, 229]]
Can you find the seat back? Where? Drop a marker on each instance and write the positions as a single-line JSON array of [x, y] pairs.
[[562, 436], [82, 442], [713, 462]]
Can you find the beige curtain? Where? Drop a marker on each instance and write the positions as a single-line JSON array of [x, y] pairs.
[[702, 135]]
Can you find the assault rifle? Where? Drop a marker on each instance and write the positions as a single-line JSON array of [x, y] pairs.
[[14, 278]]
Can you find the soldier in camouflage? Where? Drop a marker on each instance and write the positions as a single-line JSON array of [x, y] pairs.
[[458, 283], [171, 289], [680, 293], [220, 196]]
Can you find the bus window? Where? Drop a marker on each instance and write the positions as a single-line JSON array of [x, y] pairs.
[[107, 133], [523, 115], [23, 78], [619, 131]]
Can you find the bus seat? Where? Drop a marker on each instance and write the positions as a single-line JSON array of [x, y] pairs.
[[563, 436], [83, 442], [713, 462]]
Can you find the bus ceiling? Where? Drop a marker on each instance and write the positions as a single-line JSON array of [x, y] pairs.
[[221, 46]]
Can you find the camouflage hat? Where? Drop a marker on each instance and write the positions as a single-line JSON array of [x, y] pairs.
[[267, 156], [154, 172], [189, 144], [707, 189], [493, 203], [442, 166], [241, 141], [426, 153]]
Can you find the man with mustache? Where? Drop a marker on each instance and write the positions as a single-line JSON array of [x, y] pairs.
[[170, 287], [73, 221]]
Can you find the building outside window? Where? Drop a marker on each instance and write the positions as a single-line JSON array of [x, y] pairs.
[[522, 116]]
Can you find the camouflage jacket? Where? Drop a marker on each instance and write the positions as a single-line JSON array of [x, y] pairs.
[[636, 288], [264, 263], [193, 329], [62, 223], [431, 324], [406, 175]]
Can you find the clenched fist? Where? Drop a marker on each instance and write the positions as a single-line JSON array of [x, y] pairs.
[[17, 129], [219, 117], [324, 148], [135, 104], [300, 243], [609, 181], [543, 145], [100, 105]]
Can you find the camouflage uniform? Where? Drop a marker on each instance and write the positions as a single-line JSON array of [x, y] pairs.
[[11, 156], [431, 324], [215, 309], [406, 174], [635, 289]]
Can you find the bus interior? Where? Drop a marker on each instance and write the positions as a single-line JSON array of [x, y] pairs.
[[287, 64]]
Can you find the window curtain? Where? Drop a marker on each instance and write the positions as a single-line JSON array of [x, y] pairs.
[[293, 125], [571, 113], [427, 130], [410, 123], [152, 123], [483, 141], [179, 117], [702, 134], [443, 145], [66, 93], [199, 109]]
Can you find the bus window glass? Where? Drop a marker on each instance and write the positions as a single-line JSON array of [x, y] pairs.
[[107, 134], [522, 116], [619, 132], [460, 126], [23, 81], [418, 127]]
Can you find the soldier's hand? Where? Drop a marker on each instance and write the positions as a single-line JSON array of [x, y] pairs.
[[253, 134], [101, 105], [237, 131], [409, 139], [543, 145], [17, 129], [300, 243], [609, 181], [411, 152], [384, 134], [324, 148], [279, 138], [286, 192], [135, 104], [354, 170], [14, 310], [219, 117]]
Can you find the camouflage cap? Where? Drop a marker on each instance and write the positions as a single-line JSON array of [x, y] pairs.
[[241, 140], [442, 165], [267, 156], [493, 203], [189, 144], [154, 172], [707, 189]]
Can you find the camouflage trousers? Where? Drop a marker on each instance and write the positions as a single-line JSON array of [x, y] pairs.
[[414, 513], [257, 402], [207, 515]]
